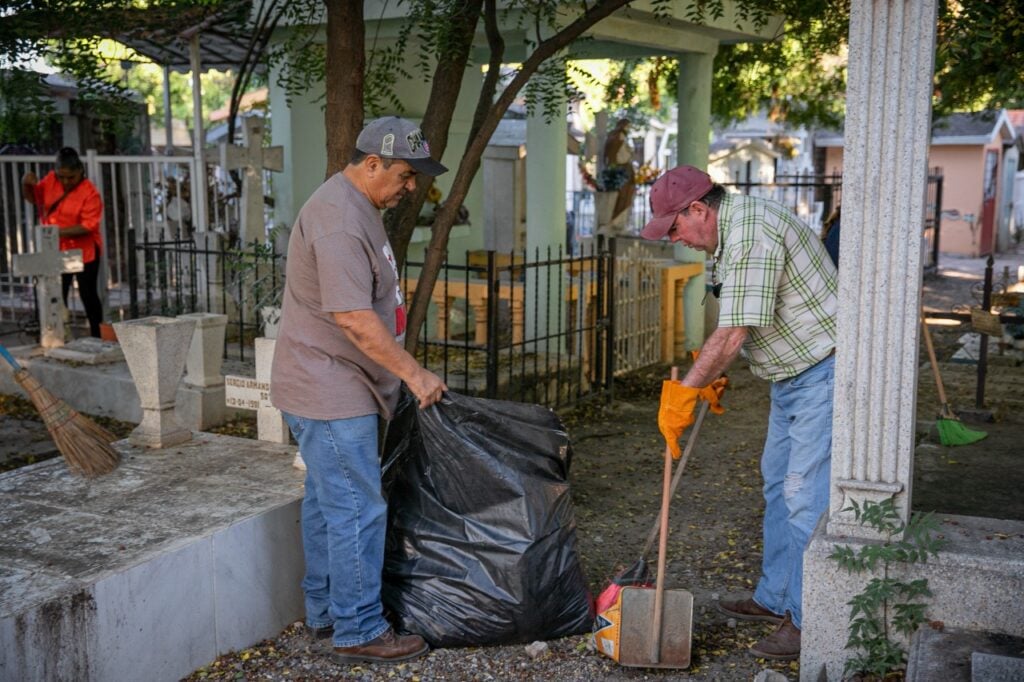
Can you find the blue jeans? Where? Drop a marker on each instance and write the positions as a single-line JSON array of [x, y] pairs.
[[796, 467], [344, 518]]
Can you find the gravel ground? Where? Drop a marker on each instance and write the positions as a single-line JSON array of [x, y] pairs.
[[714, 550]]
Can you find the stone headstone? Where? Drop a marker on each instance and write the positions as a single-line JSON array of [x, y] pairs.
[[253, 393], [156, 349], [46, 265]]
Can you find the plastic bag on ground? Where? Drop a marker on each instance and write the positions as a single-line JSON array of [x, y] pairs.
[[481, 544]]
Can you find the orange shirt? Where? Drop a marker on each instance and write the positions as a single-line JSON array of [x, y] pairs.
[[82, 206]]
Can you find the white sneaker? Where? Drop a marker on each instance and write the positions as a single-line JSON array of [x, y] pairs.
[[298, 463]]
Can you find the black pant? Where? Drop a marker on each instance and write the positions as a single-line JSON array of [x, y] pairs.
[[87, 281]]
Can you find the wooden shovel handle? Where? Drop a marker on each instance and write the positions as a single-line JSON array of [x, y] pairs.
[[659, 590]]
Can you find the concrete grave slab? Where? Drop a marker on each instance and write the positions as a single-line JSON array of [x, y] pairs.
[[196, 547], [88, 350], [981, 565], [991, 668]]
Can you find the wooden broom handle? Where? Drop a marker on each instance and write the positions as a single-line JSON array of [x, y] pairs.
[[934, 363]]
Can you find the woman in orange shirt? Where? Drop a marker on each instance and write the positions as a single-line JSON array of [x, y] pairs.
[[66, 198]]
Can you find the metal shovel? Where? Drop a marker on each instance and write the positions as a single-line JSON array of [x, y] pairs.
[[657, 625]]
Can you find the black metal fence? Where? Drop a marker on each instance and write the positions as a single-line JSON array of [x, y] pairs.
[[177, 276], [534, 330], [501, 325]]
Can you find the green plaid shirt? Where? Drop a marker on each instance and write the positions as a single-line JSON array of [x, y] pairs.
[[778, 280]]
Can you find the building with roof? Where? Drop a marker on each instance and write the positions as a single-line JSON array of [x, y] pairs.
[[977, 155]]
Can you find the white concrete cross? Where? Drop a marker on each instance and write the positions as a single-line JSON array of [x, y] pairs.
[[251, 157], [46, 265]]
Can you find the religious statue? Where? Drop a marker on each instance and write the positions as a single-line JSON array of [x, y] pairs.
[[618, 154]]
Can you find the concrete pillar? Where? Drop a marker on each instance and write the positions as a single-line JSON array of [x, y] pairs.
[[545, 180], [545, 213], [892, 49], [299, 129], [692, 141]]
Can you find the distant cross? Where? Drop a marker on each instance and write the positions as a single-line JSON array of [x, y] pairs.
[[252, 158], [46, 265]]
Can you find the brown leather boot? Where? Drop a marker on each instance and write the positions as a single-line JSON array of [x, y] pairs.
[[781, 645], [747, 609], [386, 648]]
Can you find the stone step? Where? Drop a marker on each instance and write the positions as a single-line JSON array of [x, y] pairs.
[[961, 655]]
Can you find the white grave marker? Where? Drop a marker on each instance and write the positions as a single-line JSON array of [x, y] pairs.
[[46, 265], [248, 393]]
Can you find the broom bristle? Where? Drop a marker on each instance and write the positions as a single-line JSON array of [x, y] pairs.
[[84, 444], [953, 432]]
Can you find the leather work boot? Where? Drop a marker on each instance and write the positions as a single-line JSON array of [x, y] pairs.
[[747, 609], [781, 645], [386, 648], [322, 632]]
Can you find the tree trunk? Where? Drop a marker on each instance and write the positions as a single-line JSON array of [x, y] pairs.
[[437, 118], [470, 163], [345, 70]]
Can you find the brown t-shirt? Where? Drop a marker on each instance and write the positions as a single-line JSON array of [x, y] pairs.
[[339, 260]]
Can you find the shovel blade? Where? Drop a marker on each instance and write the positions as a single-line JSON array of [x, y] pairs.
[[635, 637]]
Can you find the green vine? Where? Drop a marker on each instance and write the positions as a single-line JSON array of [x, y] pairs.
[[886, 606]]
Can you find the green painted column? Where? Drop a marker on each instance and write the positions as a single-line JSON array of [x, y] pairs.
[[299, 128], [693, 140], [545, 181], [545, 216]]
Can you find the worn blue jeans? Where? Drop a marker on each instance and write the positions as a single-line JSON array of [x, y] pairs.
[[796, 465], [344, 518]]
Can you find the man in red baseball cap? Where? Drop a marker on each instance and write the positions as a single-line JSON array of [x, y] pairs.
[[777, 305]]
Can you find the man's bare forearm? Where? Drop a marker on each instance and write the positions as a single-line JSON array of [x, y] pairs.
[[717, 353], [369, 334]]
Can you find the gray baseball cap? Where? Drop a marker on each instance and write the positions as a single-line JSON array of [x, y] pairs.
[[392, 137]]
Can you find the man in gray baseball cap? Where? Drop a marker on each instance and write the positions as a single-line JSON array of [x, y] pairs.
[[338, 364], [392, 137]]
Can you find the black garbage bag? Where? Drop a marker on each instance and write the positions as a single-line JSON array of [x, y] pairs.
[[481, 545]]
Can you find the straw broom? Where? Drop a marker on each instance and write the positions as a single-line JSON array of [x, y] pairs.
[[951, 430], [84, 444]]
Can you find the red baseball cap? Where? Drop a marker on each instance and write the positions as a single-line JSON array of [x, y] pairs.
[[674, 191]]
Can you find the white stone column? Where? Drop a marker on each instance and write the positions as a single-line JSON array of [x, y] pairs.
[[888, 115], [693, 138], [888, 112]]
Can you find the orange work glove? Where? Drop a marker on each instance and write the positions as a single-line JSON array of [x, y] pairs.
[[676, 412], [713, 393]]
